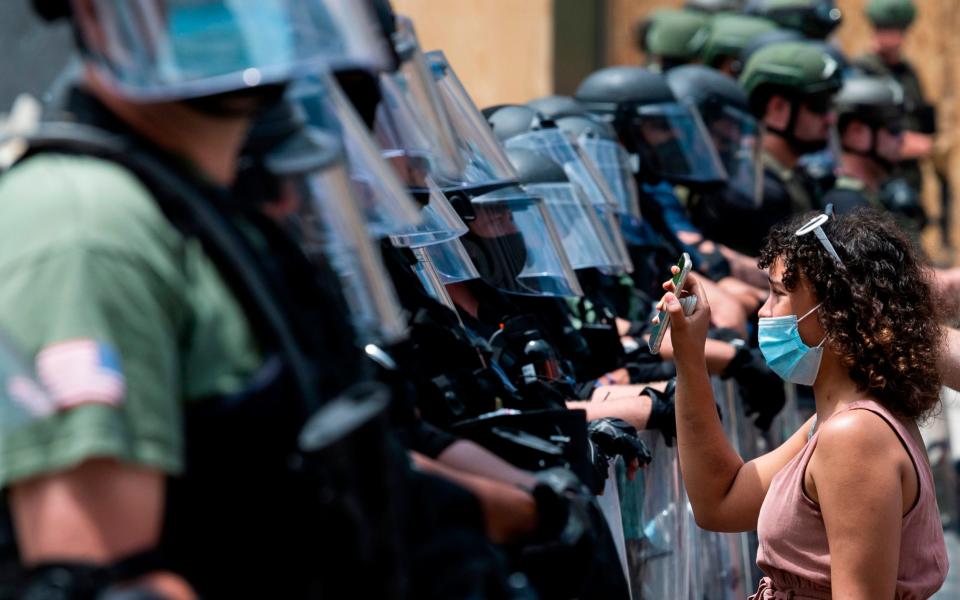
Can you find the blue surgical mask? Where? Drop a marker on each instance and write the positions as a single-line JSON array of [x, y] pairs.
[[785, 352]]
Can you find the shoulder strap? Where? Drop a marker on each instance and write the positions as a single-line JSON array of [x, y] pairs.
[[183, 204]]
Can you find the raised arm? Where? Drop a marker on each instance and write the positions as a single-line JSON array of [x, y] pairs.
[[725, 492]]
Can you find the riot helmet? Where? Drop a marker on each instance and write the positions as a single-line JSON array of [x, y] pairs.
[[557, 106], [304, 177], [514, 246], [386, 201], [599, 142], [169, 50], [813, 18], [725, 110], [585, 240], [666, 136], [730, 35], [676, 37], [877, 103], [891, 14], [522, 127], [803, 74]]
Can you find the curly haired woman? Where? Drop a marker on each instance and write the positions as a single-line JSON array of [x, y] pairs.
[[845, 508]]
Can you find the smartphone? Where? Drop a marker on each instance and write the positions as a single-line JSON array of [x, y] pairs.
[[660, 329]]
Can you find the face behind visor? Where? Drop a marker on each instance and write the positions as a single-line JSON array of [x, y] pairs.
[[586, 240], [734, 132], [165, 50], [667, 137], [515, 248], [316, 203], [389, 208]]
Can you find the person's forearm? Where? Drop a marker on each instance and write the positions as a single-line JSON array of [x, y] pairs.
[[949, 364], [745, 268], [510, 514], [631, 406], [718, 354], [468, 457], [707, 460]]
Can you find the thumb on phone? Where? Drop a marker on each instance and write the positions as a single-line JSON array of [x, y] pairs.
[[673, 307]]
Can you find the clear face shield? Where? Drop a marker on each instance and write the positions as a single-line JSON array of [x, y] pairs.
[[385, 201], [160, 50], [319, 208], [514, 246], [452, 262], [581, 171], [736, 136], [577, 225], [613, 163], [484, 157], [674, 143]]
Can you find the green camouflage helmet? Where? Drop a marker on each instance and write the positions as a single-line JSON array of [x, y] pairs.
[[891, 14], [730, 34], [799, 68], [813, 18], [677, 34]]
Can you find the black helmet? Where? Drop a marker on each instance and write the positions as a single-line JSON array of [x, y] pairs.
[[536, 167], [510, 120], [600, 142], [707, 88], [584, 125], [667, 136], [812, 18], [726, 113], [608, 90], [557, 106]]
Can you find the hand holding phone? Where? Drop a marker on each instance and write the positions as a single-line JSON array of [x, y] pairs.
[[684, 265]]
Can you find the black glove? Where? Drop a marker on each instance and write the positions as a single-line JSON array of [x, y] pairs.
[[644, 367], [615, 437], [761, 389], [561, 518], [663, 414]]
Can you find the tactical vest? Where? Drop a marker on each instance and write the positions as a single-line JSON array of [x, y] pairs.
[[294, 482]]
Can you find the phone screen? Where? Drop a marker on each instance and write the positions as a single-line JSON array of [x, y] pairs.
[[660, 329]]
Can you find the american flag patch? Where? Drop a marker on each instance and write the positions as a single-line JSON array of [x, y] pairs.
[[81, 371]]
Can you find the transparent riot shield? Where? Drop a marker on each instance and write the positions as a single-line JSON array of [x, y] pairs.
[[651, 509]]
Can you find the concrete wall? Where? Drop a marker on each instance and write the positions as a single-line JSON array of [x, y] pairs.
[[501, 49]]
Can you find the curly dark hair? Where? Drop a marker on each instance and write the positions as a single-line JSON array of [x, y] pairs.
[[878, 309]]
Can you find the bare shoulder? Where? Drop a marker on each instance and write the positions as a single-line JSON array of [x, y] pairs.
[[859, 437]]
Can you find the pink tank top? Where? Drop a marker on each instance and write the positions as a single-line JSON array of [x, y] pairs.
[[793, 540]]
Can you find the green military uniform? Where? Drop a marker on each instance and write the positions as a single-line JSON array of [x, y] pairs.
[[792, 186], [915, 105], [89, 261], [918, 114]]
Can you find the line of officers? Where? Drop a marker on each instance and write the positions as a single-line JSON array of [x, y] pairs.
[[300, 320]]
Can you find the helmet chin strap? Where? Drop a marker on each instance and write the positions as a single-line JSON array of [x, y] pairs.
[[788, 133], [872, 152]]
